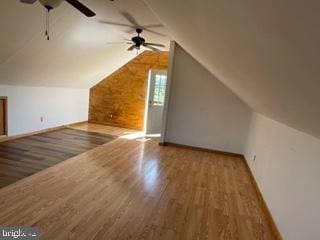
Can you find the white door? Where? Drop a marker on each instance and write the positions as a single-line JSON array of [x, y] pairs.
[[157, 92]]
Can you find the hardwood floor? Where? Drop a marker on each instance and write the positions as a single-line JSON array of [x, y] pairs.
[[105, 129], [23, 157], [129, 189]]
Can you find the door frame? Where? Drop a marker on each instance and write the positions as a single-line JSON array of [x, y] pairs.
[[168, 92], [5, 117], [150, 74]]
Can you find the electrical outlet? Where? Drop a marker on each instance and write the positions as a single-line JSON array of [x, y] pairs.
[[254, 158], [41, 119]]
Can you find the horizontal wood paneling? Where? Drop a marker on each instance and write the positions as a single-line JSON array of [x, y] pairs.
[[119, 100]]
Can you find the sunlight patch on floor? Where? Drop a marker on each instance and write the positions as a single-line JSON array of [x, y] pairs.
[[140, 135], [132, 136]]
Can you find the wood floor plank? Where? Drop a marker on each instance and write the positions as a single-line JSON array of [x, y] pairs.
[[129, 189], [23, 157]]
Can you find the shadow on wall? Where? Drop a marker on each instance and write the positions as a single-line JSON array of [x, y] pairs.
[[120, 99]]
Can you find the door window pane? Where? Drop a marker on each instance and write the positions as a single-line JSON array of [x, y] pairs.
[[159, 89]]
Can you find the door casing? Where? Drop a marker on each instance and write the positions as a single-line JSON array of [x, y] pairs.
[[4, 116]]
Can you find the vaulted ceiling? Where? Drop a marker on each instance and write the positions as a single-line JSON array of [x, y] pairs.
[[267, 52], [78, 53]]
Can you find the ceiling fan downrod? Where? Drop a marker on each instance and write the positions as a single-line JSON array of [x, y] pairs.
[[139, 31]]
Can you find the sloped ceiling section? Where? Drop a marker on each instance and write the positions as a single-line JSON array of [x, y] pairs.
[[267, 52], [78, 54]]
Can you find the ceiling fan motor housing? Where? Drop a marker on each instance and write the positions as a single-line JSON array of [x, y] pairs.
[[139, 41]]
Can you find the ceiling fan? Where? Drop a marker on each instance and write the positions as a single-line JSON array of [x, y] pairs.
[[139, 41], [51, 4]]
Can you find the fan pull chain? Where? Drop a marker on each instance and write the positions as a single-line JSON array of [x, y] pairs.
[[48, 23]]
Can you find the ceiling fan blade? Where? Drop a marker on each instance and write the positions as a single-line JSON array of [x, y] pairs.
[[154, 32], [117, 24], [131, 19], [28, 1], [82, 8], [152, 48], [132, 48], [154, 44], [119, 42], [152, 26], [146, 28]]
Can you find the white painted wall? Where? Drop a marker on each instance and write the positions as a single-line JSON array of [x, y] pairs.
[[264, 51], [202, 112], [58, 106], [287, 170]]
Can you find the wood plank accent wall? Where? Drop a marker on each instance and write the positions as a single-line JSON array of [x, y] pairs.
[[119, 100]]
